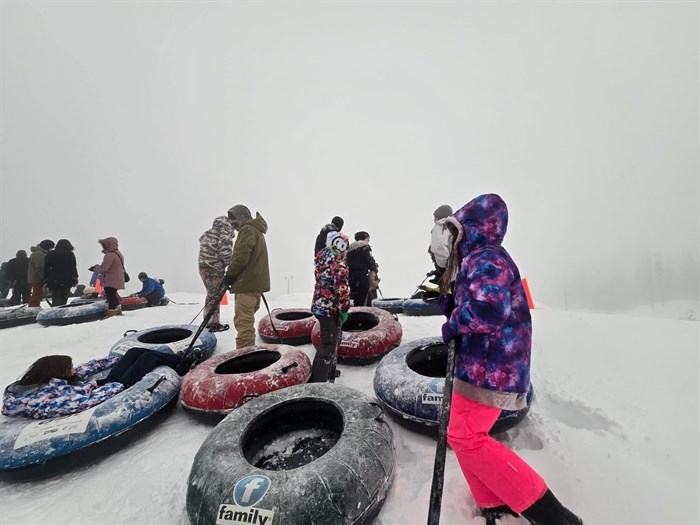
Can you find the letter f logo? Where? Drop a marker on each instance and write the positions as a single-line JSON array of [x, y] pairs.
[[250, 490]]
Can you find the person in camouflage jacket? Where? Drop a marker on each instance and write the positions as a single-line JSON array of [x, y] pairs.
[[330, 304], [215, 252], [52, 388]]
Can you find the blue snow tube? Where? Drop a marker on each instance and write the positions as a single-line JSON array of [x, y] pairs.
[[25, 441], [424, 305], [393, 305], [316, 453], [410, 380], [175, 338], [72, 314]]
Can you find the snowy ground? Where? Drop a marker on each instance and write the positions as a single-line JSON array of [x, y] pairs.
[[613, 427]]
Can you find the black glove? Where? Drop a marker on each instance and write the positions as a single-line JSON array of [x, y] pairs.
[[229, 280]]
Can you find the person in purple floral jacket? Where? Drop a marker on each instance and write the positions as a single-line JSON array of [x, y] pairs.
[[51, 387], [489, 319]]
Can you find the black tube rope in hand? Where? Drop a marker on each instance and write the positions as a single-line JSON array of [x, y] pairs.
[[204, 323], [270, 314], [441, 448]]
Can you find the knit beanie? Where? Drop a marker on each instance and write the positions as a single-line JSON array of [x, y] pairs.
[[143, 275], [338, 222], [47, 244], [21, 254], [361, 236], [442, 212]]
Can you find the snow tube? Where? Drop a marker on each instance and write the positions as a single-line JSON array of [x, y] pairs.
[[294, 326], [133, 303], [317, 453], [368, 334], [168, 338], [409, 383], [72, 313], [393, 305], [18, 316], [4, 302], [222, 383], [425, 305], [25, 441]]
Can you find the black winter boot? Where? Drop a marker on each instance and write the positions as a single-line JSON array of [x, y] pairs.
[[549, 511], [493, 513]]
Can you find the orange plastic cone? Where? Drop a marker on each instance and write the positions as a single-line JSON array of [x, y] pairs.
[[224, 299], [530, 302], [98, 286]]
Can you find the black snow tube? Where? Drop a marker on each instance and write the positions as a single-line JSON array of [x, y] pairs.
[[409, 383], [393, 305], [425, 305], [315, 453]]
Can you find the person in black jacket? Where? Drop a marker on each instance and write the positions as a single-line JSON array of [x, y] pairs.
[[361, 263], [60, 272], [335, 225], [5, 282], [17, 269]]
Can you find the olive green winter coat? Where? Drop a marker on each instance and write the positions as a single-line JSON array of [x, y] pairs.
[[249, 263]]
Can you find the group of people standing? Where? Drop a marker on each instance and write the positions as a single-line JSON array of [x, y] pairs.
[[51, 265], [54, 267]]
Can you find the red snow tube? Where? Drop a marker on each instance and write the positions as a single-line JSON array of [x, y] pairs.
[[294, 326], [133, 303], [368, 334], [226, 381]]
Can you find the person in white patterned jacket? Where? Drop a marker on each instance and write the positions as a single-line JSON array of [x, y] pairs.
[[215, 252]]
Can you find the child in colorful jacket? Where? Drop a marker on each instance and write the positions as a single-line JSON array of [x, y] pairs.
[[489, 319], [52, 388], [330, 304]]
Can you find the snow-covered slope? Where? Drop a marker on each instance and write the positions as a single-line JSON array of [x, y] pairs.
[[613, 427]]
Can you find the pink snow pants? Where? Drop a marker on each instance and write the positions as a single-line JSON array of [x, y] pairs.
[[496, 475]]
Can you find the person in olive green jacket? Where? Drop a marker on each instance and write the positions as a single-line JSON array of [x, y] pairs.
[[248, 275]]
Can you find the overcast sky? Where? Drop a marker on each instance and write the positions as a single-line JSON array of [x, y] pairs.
[[145, 120]]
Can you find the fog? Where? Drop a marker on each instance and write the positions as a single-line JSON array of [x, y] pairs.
[[145, 120]]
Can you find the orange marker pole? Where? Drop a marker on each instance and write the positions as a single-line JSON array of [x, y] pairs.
[[224, 299], [98, 286], [530, 302]]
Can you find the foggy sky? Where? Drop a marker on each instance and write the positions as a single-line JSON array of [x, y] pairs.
[[145, 120]]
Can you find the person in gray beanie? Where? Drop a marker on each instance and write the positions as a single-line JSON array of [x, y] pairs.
[[248, 274], [440, 240]]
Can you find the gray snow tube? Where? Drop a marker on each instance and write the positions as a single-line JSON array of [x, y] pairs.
[[393, 305], [315, 453], [72, 313], [18, 316]]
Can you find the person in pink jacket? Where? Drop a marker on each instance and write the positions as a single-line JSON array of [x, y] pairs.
[[113, 273]]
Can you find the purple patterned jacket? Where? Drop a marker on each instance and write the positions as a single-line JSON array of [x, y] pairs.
[[491, 316], [58, 397]]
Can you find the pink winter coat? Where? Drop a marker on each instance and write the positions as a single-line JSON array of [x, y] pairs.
[[112, 266]]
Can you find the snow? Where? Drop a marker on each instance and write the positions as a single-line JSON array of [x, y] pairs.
[[613, 427]]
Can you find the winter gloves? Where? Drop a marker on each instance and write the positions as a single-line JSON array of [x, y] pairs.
[[446, 303], [448, 333], [229, 280]]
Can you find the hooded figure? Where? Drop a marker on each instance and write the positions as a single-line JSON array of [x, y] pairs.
[[248, 274], [361, 264], [112, 270], [17, 269], [60, 272], [335, 225], [215, 252], [330, 304], [440, 240], [489, 320], [35, 273]]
